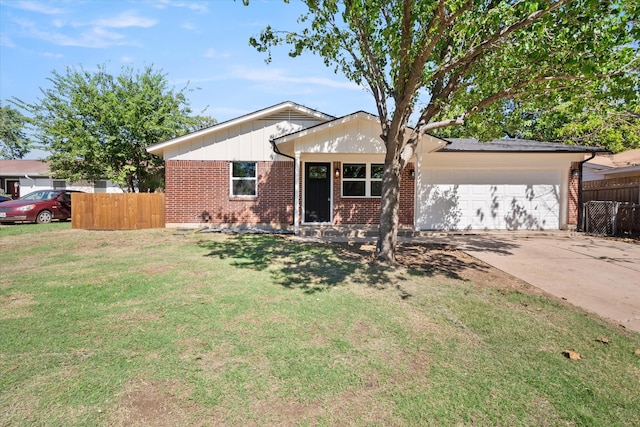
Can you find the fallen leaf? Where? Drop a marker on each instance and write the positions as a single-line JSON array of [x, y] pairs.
[[603, 340], [572, 355], [637, 353]]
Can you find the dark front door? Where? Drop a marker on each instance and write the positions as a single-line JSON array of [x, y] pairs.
[[317, 192], [13, 189]]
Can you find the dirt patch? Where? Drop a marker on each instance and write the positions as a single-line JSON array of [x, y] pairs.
[[442, 260], [445, 262], [16, 305], [156, 403], [274, 411]]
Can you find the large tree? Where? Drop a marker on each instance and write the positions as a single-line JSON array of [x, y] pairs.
[[97, 126], [585, 118], [14, 143], [434, 63]]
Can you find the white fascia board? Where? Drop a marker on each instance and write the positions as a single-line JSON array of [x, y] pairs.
[[614, 171], [160, 147], [430, 143]]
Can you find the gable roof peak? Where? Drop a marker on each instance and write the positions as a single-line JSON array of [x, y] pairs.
[[256, 115]]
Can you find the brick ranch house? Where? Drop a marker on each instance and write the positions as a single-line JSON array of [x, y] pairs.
[[288, 166]]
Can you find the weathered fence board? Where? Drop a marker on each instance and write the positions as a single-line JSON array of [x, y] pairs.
[[129, 211], [615, 190]]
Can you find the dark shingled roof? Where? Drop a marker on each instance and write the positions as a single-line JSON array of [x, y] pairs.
[[513, 146]]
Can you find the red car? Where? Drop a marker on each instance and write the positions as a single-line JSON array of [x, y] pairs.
[[40, 206]]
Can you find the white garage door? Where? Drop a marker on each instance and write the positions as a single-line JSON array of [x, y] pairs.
[[489, 200]]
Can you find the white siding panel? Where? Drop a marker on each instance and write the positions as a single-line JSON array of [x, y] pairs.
[[356, 136], [249, 141], [460, 199]]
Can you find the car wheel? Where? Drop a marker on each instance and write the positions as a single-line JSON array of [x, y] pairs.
[[44, 217]]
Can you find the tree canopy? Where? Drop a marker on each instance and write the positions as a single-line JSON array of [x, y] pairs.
[[14, 143], [97, 126], [436, 63], [571, 118]]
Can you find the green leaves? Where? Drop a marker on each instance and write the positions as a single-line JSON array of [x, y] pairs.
[[14, 143], [97, 125]]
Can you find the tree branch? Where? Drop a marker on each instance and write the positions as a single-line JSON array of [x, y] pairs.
[[514, 91], [476, 51]]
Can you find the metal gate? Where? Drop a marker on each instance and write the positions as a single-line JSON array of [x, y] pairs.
[[607, 218], [600, 217]]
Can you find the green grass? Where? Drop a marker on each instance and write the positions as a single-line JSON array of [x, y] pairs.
[[154, 328]]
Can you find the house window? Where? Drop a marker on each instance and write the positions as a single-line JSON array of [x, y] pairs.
[[244, 179], [377, 170], [59, 184], [362, 179]]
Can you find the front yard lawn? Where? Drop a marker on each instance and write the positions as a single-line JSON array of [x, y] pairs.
[[157, 327]]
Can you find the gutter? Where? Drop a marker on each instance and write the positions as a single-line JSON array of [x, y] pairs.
[[276, 150], [580, 208]]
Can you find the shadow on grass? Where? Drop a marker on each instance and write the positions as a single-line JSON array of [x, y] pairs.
[[436, 259], [311, 267], [315, 267]]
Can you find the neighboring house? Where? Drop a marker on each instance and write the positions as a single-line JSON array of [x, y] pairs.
[[288, 165], [612, 177], [609, 166], [20, 177]]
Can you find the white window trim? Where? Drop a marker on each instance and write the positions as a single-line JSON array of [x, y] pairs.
[[367, 180], [232, 179]]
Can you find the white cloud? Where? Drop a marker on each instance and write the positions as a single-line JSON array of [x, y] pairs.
[[98, 33], [6, 41], [197, 6], [93, 38], [39, 7], [280, 75], [52, 55], [212, 54], [125, 20]]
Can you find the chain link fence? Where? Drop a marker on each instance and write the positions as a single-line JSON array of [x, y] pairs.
[[607, 218]]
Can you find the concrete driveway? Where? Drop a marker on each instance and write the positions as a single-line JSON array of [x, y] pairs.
[[597, 274]]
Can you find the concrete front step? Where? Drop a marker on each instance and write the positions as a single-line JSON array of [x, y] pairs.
[[322, 231]]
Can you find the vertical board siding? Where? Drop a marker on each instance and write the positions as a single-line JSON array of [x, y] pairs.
[[614, 190], [129, 211]]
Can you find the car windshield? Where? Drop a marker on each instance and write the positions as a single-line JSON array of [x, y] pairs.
[[40, 195]]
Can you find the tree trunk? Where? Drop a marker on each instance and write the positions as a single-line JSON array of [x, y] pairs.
[[389, 209]]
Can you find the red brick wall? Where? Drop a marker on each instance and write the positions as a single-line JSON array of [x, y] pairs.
[[353, 210], [572, 214], [195, 187]]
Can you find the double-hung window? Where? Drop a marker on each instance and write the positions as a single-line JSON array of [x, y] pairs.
[[362, 179], [244, 179]]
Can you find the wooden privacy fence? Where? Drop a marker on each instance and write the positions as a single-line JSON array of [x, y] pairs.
[[614, 190], [128, 211]]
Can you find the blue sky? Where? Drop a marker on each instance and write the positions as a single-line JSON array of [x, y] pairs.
[[200, 43]]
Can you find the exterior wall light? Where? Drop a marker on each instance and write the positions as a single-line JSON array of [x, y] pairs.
[[337, 172], [412, 173]]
